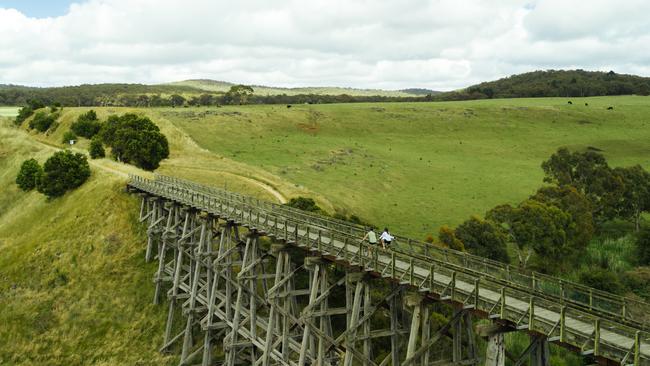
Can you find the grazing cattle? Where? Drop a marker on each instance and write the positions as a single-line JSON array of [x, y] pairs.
[[610, 108], [288, 105], [570, 102], [586, 104]]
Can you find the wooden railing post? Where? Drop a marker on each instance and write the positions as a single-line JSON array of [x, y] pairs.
[[597, 337], [502, 314], [476, 292], [563, 324], [531, 313], [320, 240], [453, 285], [534, 282], [637, 348]]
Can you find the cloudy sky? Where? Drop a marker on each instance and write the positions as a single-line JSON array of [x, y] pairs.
[[390, 44]]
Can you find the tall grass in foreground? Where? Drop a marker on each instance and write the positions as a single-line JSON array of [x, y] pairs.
[[614, 254]]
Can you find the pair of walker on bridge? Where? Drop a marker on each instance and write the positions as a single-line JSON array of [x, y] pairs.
[[385, 238]]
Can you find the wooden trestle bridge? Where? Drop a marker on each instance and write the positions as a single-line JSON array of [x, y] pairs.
[[255, 283]]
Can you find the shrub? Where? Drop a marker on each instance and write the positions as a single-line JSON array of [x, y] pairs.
[[42, 121], [63, 171], [643, 247], [447, 236], [23, 114], [638, 281], [69, 136], [96, 149], [304, 204], [29, 175], [87, 125], [136, 140], [601, 279], [484, 238]]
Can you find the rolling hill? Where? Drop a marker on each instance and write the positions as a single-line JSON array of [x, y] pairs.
[[554, 83], [222, 87]]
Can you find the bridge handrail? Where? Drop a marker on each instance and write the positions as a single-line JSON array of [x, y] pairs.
[[593, 300]]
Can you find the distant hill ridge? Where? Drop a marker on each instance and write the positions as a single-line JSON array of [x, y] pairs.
[[549, 83], [223, 86], [555, 83]]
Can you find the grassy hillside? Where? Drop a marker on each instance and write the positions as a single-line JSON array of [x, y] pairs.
[[222, 86], [74, 288], [412, 166], [417, 166]]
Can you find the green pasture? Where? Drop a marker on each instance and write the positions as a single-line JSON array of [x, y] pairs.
[[9, 111], [417, 166]]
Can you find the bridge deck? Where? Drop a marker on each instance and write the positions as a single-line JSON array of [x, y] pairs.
[[563, 319]]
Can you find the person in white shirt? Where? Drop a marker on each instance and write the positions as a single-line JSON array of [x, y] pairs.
[[386, 238]]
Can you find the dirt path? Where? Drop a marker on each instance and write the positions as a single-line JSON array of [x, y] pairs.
[[256, 182], [105, 165], [101, 164], [274, 192]]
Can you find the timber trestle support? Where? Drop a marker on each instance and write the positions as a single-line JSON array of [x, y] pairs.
[[258, 285]]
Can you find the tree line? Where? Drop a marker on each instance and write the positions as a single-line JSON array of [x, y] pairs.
[[550, 83], [554, 83]]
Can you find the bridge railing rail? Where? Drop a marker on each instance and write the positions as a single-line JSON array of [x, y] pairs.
[[590, 299]]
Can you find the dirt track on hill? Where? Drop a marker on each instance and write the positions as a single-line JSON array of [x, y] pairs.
[[113, 167]]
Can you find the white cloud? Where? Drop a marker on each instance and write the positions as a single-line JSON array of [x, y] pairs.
[[439, 44]]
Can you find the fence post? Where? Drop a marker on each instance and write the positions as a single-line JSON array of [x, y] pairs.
[[392, 260]]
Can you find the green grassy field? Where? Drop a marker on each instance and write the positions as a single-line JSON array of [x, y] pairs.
[[417, 166], [74, 288], [8, 111]]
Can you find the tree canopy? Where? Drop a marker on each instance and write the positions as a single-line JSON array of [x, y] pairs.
[[63, 171], [484, 238], [87, 125], [135, 139], [29, 175]]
